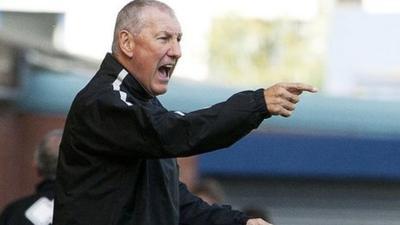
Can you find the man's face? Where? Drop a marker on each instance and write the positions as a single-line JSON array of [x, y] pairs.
[[156, 50]]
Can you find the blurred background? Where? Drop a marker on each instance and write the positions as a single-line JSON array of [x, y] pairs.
[[336, 161]]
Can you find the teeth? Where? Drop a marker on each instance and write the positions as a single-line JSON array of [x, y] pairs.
[[167, 68]]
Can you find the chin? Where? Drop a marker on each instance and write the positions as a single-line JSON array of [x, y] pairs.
[[160, 91]]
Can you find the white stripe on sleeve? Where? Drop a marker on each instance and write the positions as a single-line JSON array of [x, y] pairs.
[[117, 86]]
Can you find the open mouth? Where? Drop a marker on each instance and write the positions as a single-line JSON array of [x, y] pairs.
[[166, 70]]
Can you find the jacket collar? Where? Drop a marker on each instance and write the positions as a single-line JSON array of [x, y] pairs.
[[46, 185], [112, 67]]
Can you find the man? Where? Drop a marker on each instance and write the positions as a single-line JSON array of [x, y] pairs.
[[117, 162], [37, 209]]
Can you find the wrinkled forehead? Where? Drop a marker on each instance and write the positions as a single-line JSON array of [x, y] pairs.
[[160, 18]]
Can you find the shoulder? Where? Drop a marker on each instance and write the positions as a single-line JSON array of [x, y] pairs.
[[99, 92], [19, 206], [27, 210]]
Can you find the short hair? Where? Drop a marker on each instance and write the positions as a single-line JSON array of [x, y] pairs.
[[46, 154], [130, 17]]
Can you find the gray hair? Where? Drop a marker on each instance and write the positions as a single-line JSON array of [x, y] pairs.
[[46, 154], [130, 17]]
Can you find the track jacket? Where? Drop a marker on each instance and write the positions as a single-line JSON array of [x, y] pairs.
[[117, 157]]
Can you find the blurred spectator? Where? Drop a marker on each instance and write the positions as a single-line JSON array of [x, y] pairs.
[[37, 209], [257, 212], [209, 190]]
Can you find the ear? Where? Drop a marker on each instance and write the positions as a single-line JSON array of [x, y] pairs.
[[126, 43]]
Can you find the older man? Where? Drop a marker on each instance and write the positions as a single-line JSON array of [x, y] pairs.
[[117, 162]]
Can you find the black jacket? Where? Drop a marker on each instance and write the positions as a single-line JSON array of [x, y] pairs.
[[31, 209], [117, 165]]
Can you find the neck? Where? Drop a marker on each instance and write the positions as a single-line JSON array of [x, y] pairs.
[[124, 61]]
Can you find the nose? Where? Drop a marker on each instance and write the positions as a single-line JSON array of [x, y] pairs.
[[175, 50]]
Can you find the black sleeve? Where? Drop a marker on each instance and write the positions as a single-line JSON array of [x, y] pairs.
[[109, 126], [194, 211]]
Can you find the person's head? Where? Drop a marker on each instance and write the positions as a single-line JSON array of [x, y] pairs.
[[146, 42], [46, 154]]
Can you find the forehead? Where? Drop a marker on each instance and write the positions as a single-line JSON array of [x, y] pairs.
[[160, 20]]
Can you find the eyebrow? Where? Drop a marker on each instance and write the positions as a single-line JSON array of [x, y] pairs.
[[178, 34]]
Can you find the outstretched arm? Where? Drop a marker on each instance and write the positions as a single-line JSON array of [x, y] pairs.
[[148, 130]]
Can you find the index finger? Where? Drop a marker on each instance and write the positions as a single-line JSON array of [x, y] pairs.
[[299, 87]]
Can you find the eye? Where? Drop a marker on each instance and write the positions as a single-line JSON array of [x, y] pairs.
[[164, 37]]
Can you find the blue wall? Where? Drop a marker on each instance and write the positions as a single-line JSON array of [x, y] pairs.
[[307, 156], [47, 91]]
